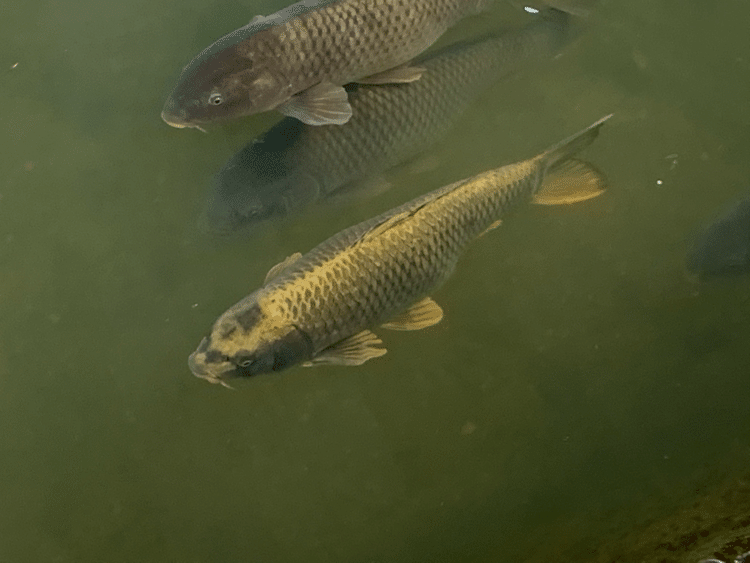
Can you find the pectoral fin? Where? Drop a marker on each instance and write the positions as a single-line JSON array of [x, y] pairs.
[[571, 182], [397, 75], [352, 351], [281, 266], [322, 104], [422, 314]]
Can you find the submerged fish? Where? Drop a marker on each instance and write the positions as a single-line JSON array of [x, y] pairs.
[[723, 248], [319, 308], [297, 59], [293, 164]]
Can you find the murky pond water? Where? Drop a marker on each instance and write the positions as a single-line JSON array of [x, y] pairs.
[[581, 387]]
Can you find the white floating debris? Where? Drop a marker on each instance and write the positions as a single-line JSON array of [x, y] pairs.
[[531, 10], [14, 66]]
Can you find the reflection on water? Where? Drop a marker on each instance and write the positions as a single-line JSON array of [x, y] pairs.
[[579, 377]]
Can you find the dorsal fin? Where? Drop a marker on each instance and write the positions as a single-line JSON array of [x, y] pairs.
[[389, 223], [279, 268]]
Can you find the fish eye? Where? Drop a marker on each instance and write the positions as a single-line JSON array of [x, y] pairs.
[[215, 99]]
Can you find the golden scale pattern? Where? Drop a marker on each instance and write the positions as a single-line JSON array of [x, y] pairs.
[[332, 294]]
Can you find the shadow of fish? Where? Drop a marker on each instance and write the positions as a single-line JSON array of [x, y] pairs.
[[318, 308], [723, 248], [293, 165], [296, 60]]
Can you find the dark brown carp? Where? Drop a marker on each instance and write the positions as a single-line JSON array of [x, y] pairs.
[[297, 60], [293, 165], [319, 308]]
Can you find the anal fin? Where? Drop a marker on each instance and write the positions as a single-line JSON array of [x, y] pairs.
[[422, 314], [352, 351]]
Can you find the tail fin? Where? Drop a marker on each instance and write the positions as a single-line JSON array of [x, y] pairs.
[[565, 149], [567, 180], [571, 182]]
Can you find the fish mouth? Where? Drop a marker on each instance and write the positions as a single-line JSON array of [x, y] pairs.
[[211, 372], [174, 120], [176, 116]]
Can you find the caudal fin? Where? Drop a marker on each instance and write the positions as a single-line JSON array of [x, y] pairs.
[[567, 180], [571, 182], [567, 148]]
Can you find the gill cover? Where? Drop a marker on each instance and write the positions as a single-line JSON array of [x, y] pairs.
[[276, 355]]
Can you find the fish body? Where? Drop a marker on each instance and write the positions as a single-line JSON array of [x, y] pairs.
[[293, 164], [297, 59], [320, 307], [723, 248]]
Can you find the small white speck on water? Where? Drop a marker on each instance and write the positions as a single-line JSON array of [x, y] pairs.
[[194, 305], [531, 10], [673, 157], [659, 182], [14, 66]]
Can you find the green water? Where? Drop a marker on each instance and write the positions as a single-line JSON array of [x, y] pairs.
[[577, 375]]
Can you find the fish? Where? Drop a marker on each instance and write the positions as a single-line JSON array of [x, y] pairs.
[[321, 307], [723, 248], [298, 59], [293, 165]]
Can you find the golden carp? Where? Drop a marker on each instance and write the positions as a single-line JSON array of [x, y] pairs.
[[318, 308]]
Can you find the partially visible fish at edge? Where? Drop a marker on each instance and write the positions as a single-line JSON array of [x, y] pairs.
[[723, 248], [319, 308], [293, 165]]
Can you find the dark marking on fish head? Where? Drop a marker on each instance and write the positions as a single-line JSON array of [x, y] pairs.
[[244, 343], [209, 363], [249, 318], [275, 355], [274, 350], [215, 359]]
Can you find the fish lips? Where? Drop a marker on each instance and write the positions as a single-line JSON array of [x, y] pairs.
[[201, 365], [175, 118], [175, 113]]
